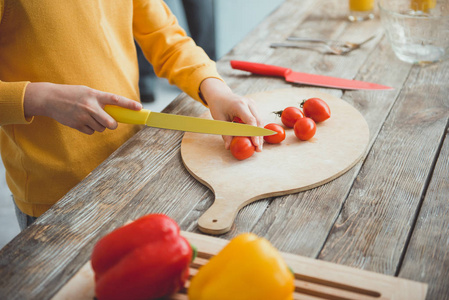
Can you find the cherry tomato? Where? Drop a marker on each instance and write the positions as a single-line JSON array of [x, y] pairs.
[[290, 115], [275, 138], [305, 129], [316, 109], [237, 120], [242, 147]]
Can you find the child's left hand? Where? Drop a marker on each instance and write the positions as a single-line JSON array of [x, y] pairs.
[[225, 105]]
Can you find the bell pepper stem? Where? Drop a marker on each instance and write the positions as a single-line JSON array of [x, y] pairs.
[[291, 270], [194, 252]]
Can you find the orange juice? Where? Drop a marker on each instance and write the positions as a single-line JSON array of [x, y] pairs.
[[362, 5], [423, 5]]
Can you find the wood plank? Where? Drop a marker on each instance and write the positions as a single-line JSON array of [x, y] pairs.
[[427, 256], [373, 228]]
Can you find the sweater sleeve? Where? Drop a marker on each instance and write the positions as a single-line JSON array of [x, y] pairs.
[[11, 103], [11, 96], [167, 47]]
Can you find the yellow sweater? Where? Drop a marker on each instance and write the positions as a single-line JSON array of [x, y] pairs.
[[84, 43]]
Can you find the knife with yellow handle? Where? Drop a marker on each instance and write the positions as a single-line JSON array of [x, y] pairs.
[[183, 123]]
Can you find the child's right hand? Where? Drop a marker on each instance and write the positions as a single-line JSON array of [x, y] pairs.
[[78, 107]]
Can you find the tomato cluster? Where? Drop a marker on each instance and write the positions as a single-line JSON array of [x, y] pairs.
[[303, 122]]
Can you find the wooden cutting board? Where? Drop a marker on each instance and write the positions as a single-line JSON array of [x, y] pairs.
[[290, 167], [314, 279]]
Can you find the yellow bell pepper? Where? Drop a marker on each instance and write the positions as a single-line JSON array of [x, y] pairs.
[[248, 268]]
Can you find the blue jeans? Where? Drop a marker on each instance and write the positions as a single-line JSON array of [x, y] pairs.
[[23, 219]]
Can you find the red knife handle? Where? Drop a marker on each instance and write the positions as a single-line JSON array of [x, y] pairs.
[[260, 69]]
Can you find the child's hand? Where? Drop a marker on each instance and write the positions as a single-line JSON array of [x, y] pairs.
[[225, 105], [76, 106]]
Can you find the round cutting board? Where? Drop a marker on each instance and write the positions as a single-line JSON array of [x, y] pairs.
[[289, 167]]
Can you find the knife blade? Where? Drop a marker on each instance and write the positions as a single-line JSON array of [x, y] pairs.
[[305, 78], [183, 123]]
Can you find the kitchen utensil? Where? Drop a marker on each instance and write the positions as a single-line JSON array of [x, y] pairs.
[[289, 167], [183, 123], [314, 278], [328, 49], [304, 78], [333, 47]]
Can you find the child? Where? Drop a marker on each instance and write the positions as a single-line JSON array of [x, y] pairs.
[[61, 62]]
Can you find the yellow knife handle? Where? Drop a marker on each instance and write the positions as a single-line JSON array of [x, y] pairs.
[[124, 115]]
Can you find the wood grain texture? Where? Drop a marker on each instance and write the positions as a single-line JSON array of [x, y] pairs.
[[379, 214], [427, 257]]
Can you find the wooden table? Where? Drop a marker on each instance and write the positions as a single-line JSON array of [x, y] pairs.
[[388, 214]]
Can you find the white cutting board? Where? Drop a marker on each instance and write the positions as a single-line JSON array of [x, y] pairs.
[[290, 167]]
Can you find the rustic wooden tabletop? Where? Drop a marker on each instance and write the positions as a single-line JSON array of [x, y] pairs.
[[388, 214]]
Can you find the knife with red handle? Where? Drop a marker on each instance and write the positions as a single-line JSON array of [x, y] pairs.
[[304, 78]]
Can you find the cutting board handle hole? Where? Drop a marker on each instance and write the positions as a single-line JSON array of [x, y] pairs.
[[215, 220]]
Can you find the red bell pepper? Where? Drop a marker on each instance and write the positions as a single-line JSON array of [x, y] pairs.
[[146, 259]]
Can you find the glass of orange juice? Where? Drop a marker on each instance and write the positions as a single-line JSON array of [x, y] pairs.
[[361, 10]]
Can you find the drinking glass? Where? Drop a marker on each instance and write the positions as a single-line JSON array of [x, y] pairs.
[[418, 30], [361, 10]]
